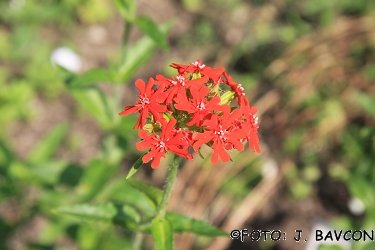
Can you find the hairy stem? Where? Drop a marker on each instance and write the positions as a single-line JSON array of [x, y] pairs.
[[171, 177]]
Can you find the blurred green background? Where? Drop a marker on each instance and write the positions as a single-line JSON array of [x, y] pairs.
[[309, 67]]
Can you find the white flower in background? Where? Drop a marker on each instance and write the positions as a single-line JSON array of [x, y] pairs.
[[66, 58], [356, 206]]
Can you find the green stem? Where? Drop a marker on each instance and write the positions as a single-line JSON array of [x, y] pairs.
[[117, 88], [137, 243], [171, 177], [117, 93], [125, 39]]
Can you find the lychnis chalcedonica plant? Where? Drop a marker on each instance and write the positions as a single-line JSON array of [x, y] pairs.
[[192, 109]]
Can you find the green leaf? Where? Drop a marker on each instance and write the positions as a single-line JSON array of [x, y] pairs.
[[6, 154], [95, 102], [48, 145], [127, 9], [109, 212], [362, 189], [88, 237], [124, 129], [153, 193], [96, 175], [112, 153], [49, 172], [135, 167], [182, 223], [368, 246], [137, 55], [19, 170], [52, 231], [88, 78], [71, 175], [200, 154], [366, 102], [120, 191], [51, 198], [162, 233], [147, 26]]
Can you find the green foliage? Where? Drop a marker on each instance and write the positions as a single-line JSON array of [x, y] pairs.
[[182, 224], [96, 175], [127, 9], [115, 190], [366, 102], [48, 145], [330, 132], [147, 26], [162, 233], [135, 167], [136, 55], [154, 194], [117, 214], [90, 77], [96, 103]]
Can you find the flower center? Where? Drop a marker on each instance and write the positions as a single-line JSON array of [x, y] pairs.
[[255, 119], [201, 106], [160, 146], [197, 64], [144, 100], [181, 79], [220, 132], [241, 88]]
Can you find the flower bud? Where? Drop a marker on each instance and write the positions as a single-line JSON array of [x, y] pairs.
[[152, 127], [227, 97]]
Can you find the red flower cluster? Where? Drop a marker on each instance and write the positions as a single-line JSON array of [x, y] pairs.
[[193, 109]]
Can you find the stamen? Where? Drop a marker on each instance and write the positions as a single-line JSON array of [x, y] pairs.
[[181, 79], [144, 101], [255, 119], [201, 106], [197, 64]]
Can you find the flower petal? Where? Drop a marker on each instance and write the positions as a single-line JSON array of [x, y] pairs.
[[130, 109], [140, 84], [156, 161]]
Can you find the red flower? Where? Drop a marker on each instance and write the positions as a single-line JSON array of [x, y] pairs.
[[193, 99], [199, 67], [178, 85], [251, 125], [198, 105], [237, 88], [169, 140], [251, 122], [148, 101], [187, 135], [220, 133]]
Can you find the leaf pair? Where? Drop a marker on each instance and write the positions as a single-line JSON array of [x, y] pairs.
[[127, 216]]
